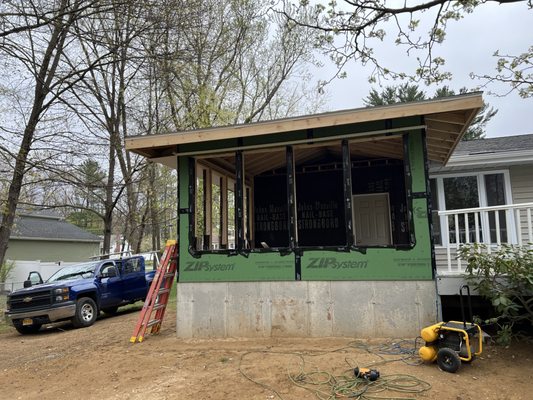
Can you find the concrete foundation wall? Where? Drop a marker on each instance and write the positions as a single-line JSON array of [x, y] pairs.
[[305, 309]]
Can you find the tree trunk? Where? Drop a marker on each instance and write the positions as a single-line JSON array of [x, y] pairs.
[[8, 213], [109, 201], [43, 80], [141, 231]]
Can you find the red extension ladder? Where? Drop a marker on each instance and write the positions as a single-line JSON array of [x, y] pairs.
[[157, 297]]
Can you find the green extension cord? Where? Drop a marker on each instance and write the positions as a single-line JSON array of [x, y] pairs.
[[327, 386]]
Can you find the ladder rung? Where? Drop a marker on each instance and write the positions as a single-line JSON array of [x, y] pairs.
[[164, 290], [159, 306], [169, 275], [152, 322]]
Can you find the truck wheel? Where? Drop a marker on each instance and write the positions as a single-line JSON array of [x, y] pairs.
[[86, 313], [110, 310], [448, 360], [27, 329]]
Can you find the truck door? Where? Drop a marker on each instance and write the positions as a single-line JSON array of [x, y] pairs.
[[110, 285], [133, 279]]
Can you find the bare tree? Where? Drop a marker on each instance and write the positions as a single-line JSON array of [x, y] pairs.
[[234, 63], [152, 115], [135, 68], [212, 63], [38, 48], [101, 99]]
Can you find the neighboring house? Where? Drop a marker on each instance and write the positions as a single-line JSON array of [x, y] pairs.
[[310, 226], [483, 194], [44, 238]]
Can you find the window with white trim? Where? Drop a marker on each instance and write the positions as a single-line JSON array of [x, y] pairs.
[[470, 191]]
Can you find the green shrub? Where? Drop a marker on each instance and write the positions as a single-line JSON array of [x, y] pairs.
[[505, 277]]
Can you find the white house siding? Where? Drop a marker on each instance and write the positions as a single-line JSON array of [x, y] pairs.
[[51, 250], [522, 190], [441, 258]]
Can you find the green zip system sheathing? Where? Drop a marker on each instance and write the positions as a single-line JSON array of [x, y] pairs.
[[411, 262]]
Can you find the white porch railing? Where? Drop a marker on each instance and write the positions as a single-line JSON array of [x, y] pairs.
[[493, 226]]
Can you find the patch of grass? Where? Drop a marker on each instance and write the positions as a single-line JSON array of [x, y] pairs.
[[4, 326]]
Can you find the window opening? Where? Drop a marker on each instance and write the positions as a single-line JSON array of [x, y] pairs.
[[247, 218], [472, 191], [216, 211], [215, 204], [215, 219], [320, 195], [202, 211], [462, 192], [325, 177], [495, 189], [265, 201]]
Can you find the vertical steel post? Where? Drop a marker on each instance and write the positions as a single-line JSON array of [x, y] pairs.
[[347, 186]]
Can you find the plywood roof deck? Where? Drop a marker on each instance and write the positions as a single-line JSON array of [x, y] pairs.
[[445, 121]]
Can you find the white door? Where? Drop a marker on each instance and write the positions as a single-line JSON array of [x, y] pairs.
[[371, 216]]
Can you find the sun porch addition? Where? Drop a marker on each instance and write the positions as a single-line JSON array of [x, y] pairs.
[[284, 225]]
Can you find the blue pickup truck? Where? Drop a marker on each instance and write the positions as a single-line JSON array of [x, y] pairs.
[[78, 293]]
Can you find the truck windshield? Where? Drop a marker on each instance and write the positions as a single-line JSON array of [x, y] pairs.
[[79, 271]]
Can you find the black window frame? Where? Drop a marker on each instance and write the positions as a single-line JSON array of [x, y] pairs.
[[292, 215]]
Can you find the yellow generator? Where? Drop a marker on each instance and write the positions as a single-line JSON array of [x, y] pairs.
[[451, 342]]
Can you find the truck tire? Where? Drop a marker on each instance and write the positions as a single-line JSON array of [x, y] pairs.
[[86, 313], [26, 329]]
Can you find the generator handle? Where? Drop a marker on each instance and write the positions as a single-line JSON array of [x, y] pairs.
[[462, 304]]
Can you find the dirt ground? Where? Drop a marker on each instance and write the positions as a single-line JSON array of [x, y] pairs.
[[100, 363]]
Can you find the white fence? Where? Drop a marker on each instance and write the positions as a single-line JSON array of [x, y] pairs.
[[21, 270], [493, 226]]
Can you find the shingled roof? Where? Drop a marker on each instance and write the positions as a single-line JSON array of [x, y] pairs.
[[495, 145], [45, 225], [495, 152]]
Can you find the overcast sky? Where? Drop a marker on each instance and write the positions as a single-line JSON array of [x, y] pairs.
[[468, 47]]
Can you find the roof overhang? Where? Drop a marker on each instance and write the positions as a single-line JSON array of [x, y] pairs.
[[445, 120]]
